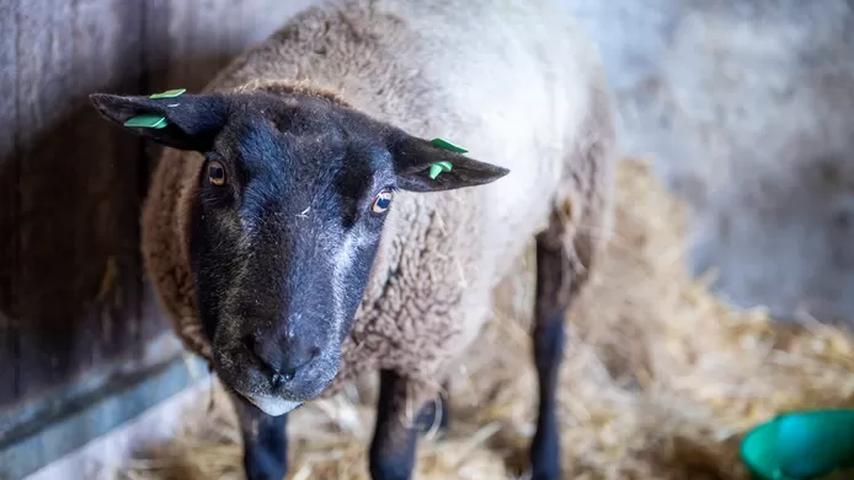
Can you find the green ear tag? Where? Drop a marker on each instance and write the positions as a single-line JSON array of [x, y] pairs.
[[147, 121], [175, 92], [446, 145], [439, 167]]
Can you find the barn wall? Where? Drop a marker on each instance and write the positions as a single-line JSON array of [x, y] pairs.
[[746, 109], [73, 304]]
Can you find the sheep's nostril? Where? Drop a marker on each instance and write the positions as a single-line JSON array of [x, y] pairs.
[[296, 361], [267, 360], [279, 379], [281, 361]]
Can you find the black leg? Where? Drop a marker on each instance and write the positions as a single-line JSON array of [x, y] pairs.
[[552, 298], [392, 455], [265, 443]]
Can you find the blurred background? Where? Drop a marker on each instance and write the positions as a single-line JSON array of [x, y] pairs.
[[744, 109]]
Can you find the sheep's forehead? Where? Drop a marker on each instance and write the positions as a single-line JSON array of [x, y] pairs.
[[259, 134], [304, 176], [308, 133], [299, 166]]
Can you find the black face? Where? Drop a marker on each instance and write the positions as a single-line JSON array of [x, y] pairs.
[[283, 238], [291, 204]]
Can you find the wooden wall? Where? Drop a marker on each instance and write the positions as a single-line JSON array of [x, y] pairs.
[[72, 296]]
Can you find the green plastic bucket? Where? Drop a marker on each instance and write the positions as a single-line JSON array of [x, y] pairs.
[[801, 445]]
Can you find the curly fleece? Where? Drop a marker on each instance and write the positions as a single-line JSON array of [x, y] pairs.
[[514, 82]]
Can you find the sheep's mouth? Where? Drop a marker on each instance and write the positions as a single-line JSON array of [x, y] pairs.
[[273, 405], [238, 370]]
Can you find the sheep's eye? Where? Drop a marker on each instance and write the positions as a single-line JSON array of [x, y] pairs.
[[381, 201], [216, 173]]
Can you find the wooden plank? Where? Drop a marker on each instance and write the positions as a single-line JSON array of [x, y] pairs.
[[107, 56], [69, 266], [188, 50], [78, 270], [196, 38], [100, 412], [8, 198], [47, 195]]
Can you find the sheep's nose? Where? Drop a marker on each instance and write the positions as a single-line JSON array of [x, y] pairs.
[[282, 358]]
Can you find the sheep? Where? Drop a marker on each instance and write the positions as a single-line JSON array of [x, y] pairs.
[[301, 230]]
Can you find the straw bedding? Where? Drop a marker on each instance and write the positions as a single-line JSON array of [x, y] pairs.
[[660, 380]]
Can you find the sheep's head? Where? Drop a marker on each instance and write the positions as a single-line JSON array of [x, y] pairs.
[[289, 213]]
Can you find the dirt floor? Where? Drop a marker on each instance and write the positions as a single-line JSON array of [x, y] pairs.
[[660, 380]]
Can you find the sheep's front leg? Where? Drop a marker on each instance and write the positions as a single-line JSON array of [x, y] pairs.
[[553, 294], [392, 455], [265, 446]]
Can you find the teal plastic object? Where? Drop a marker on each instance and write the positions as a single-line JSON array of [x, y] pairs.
[[800, 445]]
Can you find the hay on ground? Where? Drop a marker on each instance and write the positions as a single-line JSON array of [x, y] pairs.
[[660, 379]]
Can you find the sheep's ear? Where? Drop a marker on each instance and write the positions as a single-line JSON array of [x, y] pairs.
[[429, 166], [188, 122]]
